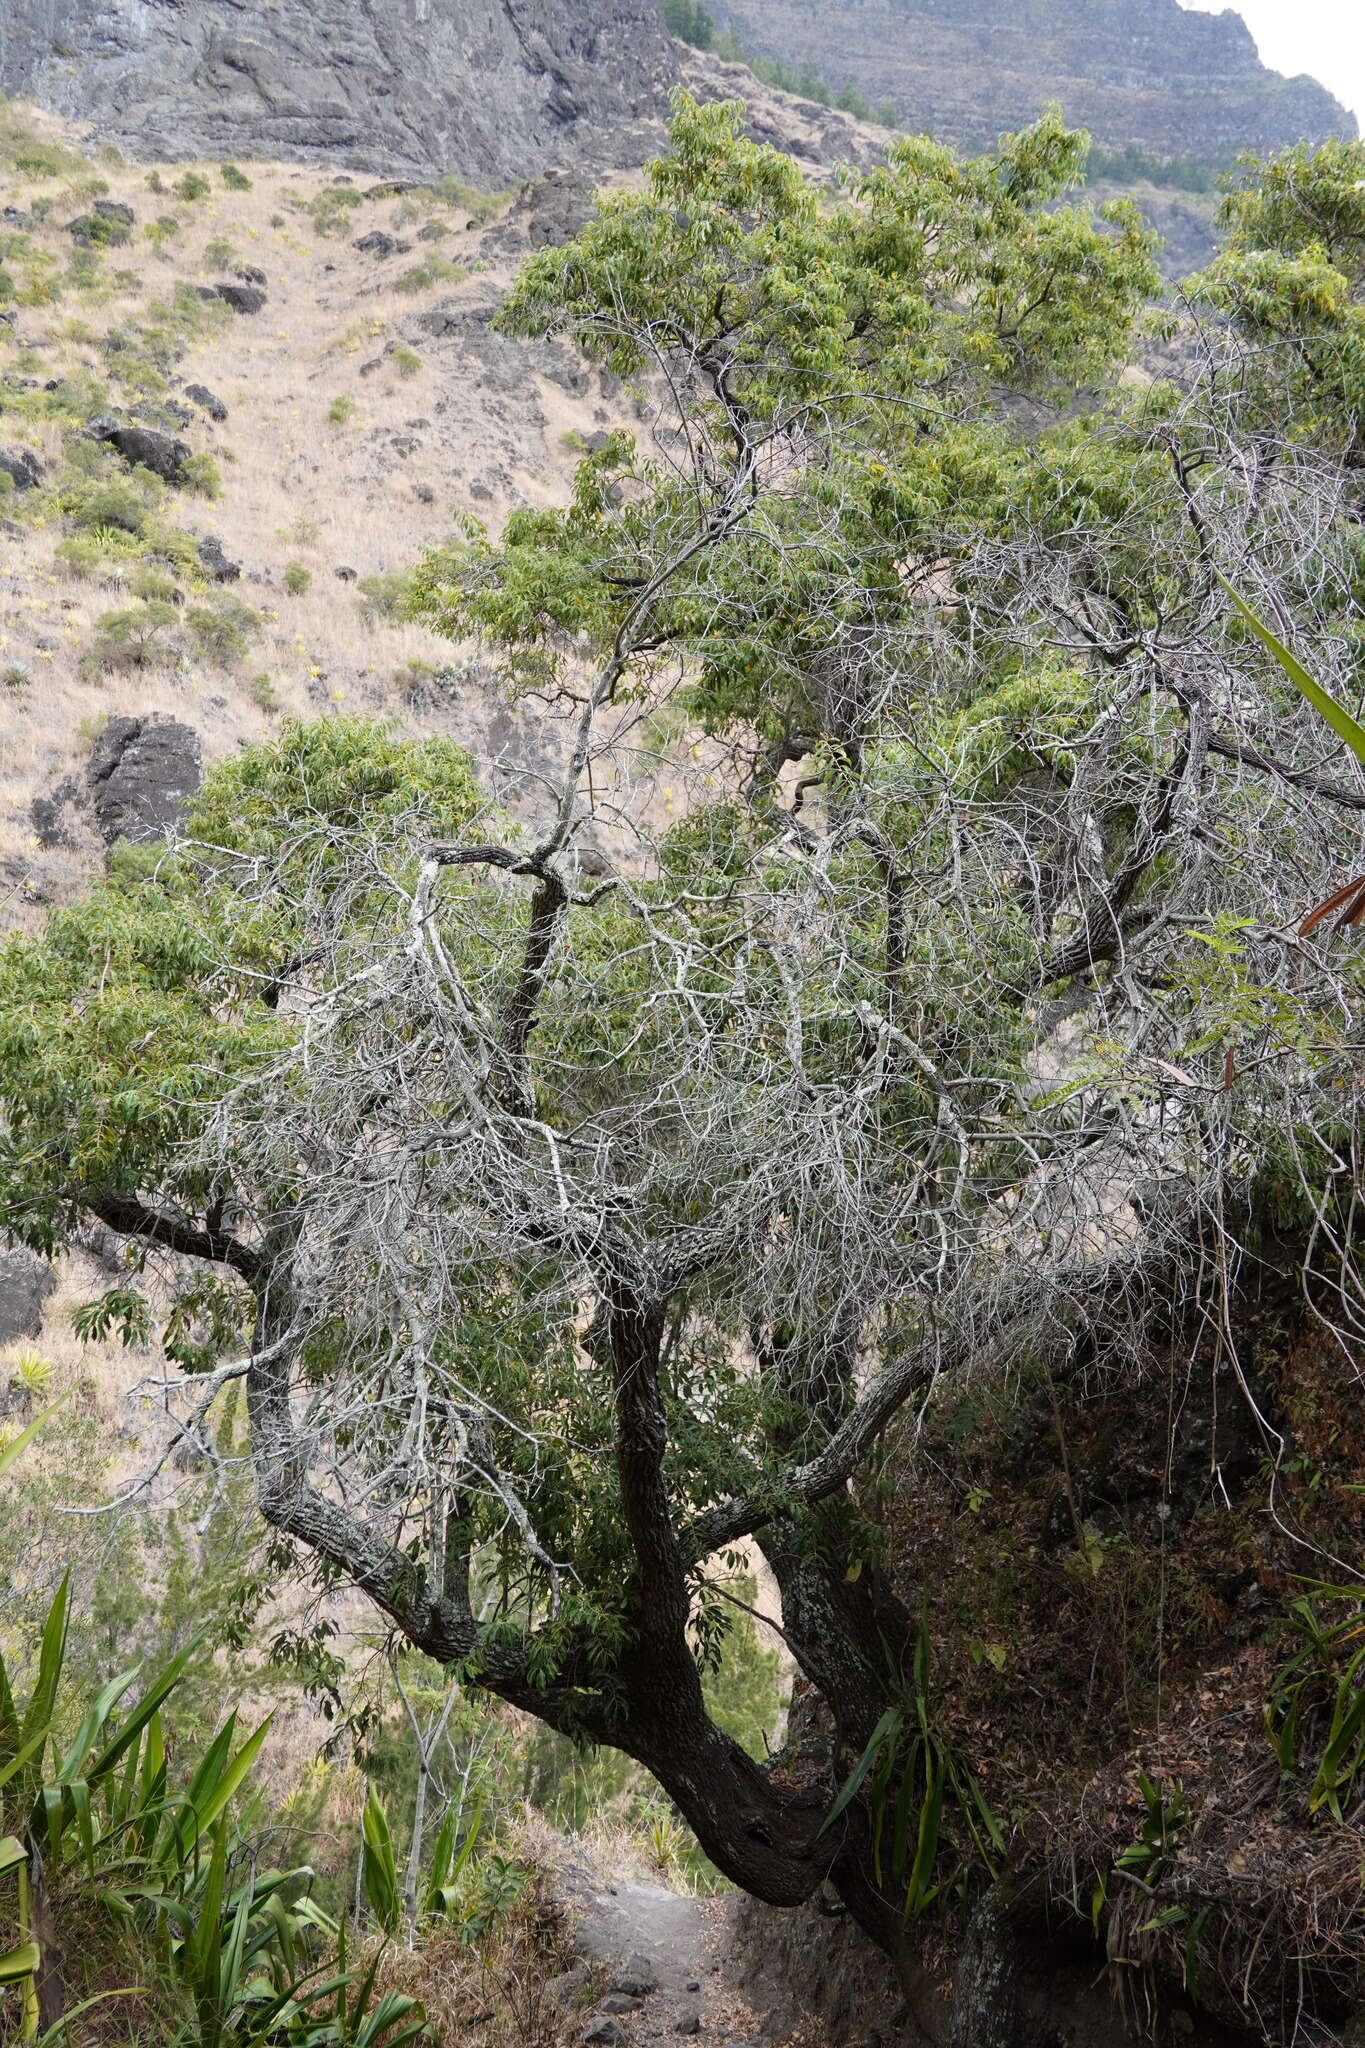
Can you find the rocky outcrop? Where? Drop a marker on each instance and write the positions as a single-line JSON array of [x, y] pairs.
[[143, 447], [141, 771], [25, 1283], [1174, 82], [493, 91]]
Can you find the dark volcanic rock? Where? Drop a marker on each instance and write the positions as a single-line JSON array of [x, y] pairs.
[[141, 771], [207, 401], [557, 207], [22, 467], [143, 447], [25, 1283], [216, 561], [243, 298], [382, 246], [492, 90], [57, 816], [1175, 82]]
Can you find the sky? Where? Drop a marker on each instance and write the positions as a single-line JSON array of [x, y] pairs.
[[1325, 38]]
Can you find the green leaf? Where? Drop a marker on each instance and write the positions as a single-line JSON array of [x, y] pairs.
[[13, 1452], [18, 1963], [1336, 714], [379, 1867], [887, 1730]]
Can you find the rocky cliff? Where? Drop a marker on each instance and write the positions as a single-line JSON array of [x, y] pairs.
[[491, 90], [1148, 72]]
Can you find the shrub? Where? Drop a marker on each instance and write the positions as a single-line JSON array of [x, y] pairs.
[[468, 199], [133, 637], [81, 556], [219, 254], [117, 502], [236, 180], [297, 578], [201, 474], [192, 186], [331, 208], [690, 22], [436, 270], [15, 675], [262, 692], [384, 595], [406, 361], [223, 629], [154, 584], [342, 410]]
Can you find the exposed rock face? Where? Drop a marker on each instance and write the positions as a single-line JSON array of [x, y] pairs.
[[25, 1283], [492, 90], [143, 447], [141, 771], [1132, 71]]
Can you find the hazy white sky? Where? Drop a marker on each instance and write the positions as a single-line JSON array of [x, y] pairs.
[[1325, 38]]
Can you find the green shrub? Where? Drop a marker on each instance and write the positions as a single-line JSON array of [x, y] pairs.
[[116, 502], [133, 637], [81, 556], [406, 361], [219, 254], [467, 199], [236, 180], [15, 675], [435, 270], [223, 629], [330, 209], [30, 155], [201, 474], [192, 186], [690, 22], [262, 691], [154, 584], [342, 410], [384, 595], [297, 578]]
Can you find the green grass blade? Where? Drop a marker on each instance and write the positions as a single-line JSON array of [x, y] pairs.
[[1336, 714], [13, 1452], [887, 1730]]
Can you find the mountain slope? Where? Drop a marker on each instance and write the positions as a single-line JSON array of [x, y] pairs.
[[493, 90], [1175, 83]]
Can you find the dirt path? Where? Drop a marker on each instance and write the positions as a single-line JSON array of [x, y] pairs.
[[648, 1968]]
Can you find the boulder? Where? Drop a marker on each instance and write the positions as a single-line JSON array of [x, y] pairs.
[[243, 298], [602, 2031], [22, 467], [140, 773], [215, 560], [25, 1283], [554, 209], [143, 447], [636, 1977], [57, 817], [207, 401], [251, 273], [380, 245]]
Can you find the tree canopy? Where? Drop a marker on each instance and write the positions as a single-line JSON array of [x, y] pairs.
[[574, 1216]]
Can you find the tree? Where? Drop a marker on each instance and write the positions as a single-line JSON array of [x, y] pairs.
[[572, 1230]]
